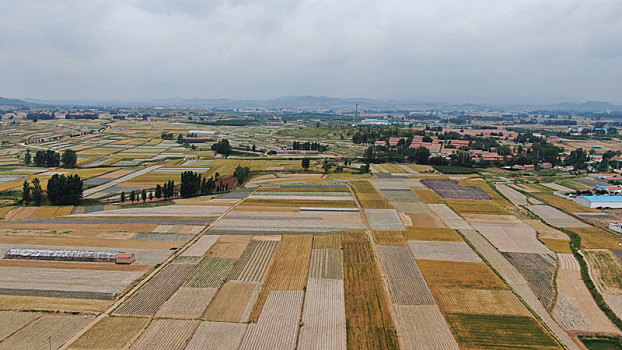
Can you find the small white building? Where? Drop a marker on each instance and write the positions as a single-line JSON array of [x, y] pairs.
[[613, 202]]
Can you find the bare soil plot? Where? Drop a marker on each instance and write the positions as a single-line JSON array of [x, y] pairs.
[[277, 327], [539, 271], [568, 316], [166, 335], [614, 302], [453, 274], [424, 327], [513, 195], [148, 299], [596, 238], [406, 283], [425, 220], [518, 238], [187, 303], [428, 196], [201, 246], [499, 332], [231, 302], [545, 231], [289, 270], [12, 321], [491, 219], [20, 302], [110, 333], [388, 237], [369, 321], [324, 316], [210, 273], [217, 336], [326, 263], [555, 217], [432, 234], [570, 284], [449, 217], [607, 270], [451, 189], [20, 213], [254, 262], [479, 301], [447, 251], [330, 241], [384, 219], [229, 246], [56, 329]]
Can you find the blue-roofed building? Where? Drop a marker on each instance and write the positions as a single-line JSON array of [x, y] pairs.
[[614, 202]]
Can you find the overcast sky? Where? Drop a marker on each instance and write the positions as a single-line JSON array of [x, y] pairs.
[[456, 50]]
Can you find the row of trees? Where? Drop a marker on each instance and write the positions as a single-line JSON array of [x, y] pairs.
[[309, 146], [61, 190], [50, 158]]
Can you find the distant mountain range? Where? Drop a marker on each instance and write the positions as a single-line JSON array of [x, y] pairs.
[[318, 102]]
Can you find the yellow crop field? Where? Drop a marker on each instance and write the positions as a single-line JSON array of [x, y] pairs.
[[563, 203], [468, 206], [596, 238], [332, 241], [431, 234], [388, 237], [459, 275], [368, 196], [557, 245], [428, 196]]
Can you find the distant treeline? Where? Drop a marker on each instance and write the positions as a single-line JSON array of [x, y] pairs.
[[309, 146], [82, 116], [40, 116]]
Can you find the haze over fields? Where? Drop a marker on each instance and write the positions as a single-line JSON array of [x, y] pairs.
[[479, 51]]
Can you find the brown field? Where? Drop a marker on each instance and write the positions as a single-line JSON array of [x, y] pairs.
[[426, 220], [432, 234], [478, 301], [166, 335], [81, 242], [369, 322], [230, 303], [467, 206], [332, 241], [606, 267], [72, 265], [557, 245], [368, 196], [20, 213], [35, 335], [12, 321], [18, 302], [229, 246], [187, 303], [563, 203], [289, 269], [459, 275], [297, 203], [388, 237], [428, 196], [596, 238], [110, 333], [4, 211]]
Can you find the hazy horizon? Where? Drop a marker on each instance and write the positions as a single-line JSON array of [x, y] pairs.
[[479, 51]]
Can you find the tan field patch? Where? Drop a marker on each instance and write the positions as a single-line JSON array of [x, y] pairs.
[[298, 203], [229, 246], [20, 213], [5, 210], [606, 267], [332, 241], [12, 321], [78, 227], [72, 265], [557, 245], [459, 274], [368, 196], [48, 331], [428, 196], [597, 238], [545, 231], [468, 206], [18, 302], [491, 219], [79, 242], [187, 302], [231, 302], [110, 333], [563, 203], [425, 220], [432, 234], [289, 268], [479, 301], [388, 237], [267, 209]]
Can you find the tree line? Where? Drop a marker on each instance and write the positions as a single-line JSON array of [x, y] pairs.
[[61, 190], [50, 158]]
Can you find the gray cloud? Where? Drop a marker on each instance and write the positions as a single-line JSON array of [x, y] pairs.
[[529, 50]]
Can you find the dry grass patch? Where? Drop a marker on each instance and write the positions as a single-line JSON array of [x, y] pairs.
[[110, 333], [297, 203], [331, 241], [368, 196], [425, 220], [288, 270], [432, 234], [388, 237], [596, 238], [428, 196], [479, 301], [467, 206], [12, 321], [230, 303], [557, 245], [607, 267], [368, 320], [18, 302], [229, 246], [459, 275], [563, 203], [47, 331]]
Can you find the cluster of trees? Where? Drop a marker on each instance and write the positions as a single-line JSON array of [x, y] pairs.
[[222, 147], [371, 134], [402, 153], [309, 146], [242, 173], [34, 116], [50, 158], [61, 190], [89, 116], [166, 135], [194, 184]]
